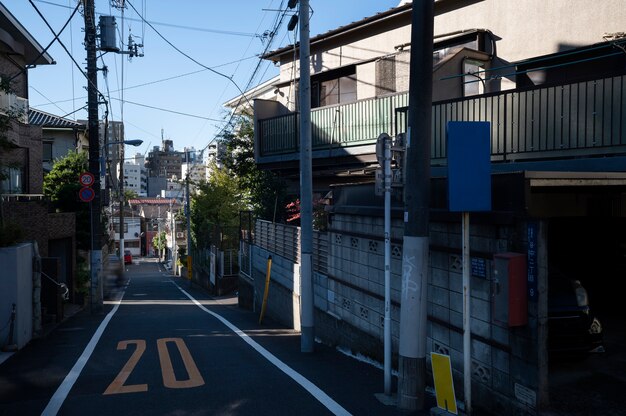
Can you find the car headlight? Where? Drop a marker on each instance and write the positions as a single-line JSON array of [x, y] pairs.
[[581, 294]]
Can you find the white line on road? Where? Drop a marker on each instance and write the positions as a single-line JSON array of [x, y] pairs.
[[60, 395], [315, 391]]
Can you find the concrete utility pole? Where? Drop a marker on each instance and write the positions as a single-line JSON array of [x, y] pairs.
[[122, 202], [188, 210], [413, 310], [307, 339], [95, 292]]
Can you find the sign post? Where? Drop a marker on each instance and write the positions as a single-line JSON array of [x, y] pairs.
[[469, 189]]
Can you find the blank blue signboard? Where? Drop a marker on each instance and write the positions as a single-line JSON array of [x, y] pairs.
[[469, 170]]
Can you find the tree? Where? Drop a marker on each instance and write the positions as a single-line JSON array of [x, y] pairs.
[[268, 196], [216, 204], [159, 242], [61, 186], [129, 194]]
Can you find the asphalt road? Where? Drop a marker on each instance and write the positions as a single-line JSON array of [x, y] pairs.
[[169, 349]]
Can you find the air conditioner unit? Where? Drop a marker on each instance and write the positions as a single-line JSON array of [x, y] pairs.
[[180, 235]]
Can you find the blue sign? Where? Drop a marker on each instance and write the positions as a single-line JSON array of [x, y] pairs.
[[479, 267], [86, 194], [532, 261], [469, 166]]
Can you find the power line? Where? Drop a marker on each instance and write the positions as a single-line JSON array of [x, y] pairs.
[[183, 53], [155, 81], [67, 51], [198, 29], [166, 110], [56, 37]]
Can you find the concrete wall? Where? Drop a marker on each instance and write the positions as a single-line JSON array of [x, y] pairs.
[[16, 287], [349, 304]]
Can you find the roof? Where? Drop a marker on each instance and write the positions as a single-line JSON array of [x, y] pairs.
[[41, 118], [402, 9], [15, 36], [153, 201]]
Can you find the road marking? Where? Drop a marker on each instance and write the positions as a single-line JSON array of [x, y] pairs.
[[167, 370], [60, 395], [117, 386], [315, 391]]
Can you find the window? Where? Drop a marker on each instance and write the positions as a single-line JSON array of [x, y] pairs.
[[47, 151], [333, 87], [11, 180], [116, 228], [473, 82]]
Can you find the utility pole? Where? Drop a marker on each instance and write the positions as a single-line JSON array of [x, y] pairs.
[[122, 202], [413, 310], [188, 215], [95, 292], [307, 340]]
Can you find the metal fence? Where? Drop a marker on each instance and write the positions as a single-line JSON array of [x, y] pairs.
[[567, 120], [284, 240]]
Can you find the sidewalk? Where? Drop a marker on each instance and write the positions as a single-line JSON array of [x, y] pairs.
[[69, 310]]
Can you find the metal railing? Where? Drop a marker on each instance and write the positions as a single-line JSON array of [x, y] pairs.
[[569, 120]]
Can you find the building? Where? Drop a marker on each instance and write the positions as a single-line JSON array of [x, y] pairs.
[[22, 201], [135, 176], [60, 136], [551, 90]]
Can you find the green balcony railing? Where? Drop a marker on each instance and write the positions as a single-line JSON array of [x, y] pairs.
[[558, 121]]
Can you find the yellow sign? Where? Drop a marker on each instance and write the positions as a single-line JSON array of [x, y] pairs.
[[444, 387], [189, 271]]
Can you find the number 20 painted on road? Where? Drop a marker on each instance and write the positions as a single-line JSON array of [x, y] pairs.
[[167, 370]]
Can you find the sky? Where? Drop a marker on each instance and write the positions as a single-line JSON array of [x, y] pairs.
[[165, 93]]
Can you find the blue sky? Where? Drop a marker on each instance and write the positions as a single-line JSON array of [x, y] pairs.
[[223, 35]]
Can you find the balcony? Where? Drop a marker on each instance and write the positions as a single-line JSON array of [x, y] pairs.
[[581, 120]]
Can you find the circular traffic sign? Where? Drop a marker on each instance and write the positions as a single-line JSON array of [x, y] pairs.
[[86, 179], [86, 194]]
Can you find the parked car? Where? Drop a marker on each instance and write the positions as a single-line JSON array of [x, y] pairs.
[[128, 257], [573, 329]]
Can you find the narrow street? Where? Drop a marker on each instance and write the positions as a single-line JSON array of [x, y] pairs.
[[166, 348]]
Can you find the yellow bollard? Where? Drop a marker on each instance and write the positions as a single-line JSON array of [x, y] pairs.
[[267, 287], [189, 271]]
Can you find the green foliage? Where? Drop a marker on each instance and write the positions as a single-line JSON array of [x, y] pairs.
[[216, 204], [159, 241], [129, 194], [61, 186], [267, 192], [82, 276]]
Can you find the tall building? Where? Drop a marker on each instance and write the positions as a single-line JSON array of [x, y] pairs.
[[135, 175], [162, 163]]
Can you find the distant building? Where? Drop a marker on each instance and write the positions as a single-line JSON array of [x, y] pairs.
[[135, 176]]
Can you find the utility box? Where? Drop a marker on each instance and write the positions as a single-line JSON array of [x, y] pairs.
[[510, 299]]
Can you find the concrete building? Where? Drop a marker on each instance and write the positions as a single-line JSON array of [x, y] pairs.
[[135, 176]]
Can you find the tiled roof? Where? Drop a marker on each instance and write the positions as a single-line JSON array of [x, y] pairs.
[[41, 118], [401, 8], [152, 201]]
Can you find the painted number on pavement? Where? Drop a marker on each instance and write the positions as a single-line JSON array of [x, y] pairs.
[[167, 369]]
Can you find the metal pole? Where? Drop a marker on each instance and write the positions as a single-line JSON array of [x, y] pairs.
[[413, 310], [467, 333], [307, 340], [387, 329], [95, 290], [188, 213], [121, 155]]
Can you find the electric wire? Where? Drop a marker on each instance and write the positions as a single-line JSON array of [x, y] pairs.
[[184, 54], [56, 37], [67, 51], [168, 111]]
